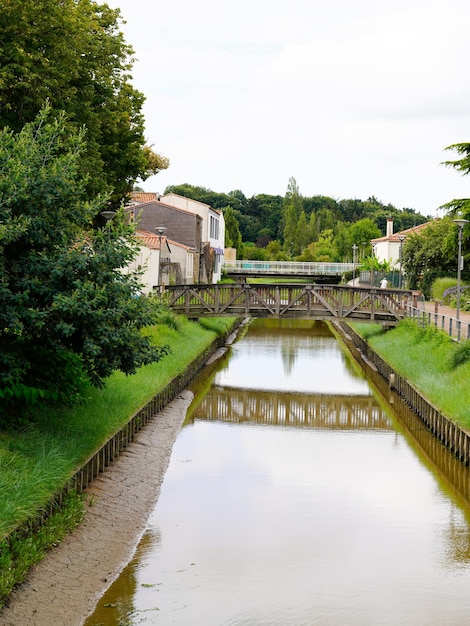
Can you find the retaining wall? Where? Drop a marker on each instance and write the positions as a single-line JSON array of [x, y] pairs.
[[450, 434]]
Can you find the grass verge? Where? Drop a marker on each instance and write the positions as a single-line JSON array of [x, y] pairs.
[[430, 360], [36, 462]]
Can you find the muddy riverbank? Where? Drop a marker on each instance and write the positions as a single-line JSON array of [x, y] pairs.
[[65, 586]]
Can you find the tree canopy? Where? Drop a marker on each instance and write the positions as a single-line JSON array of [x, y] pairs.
[[68, 310], [73, 55], [286, 227]]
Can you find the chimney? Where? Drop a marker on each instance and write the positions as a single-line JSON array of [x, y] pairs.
[[389, 226]]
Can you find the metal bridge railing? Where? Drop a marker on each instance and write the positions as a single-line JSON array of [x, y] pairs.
[[295, 268]]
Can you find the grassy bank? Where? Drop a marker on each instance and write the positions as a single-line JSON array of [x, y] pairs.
[[437, 366], [36, 462]]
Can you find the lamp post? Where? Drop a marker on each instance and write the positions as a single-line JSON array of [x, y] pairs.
[[460, 223], [160, 231], [108, 216], [402, 239], [354, 249], [372, 265]]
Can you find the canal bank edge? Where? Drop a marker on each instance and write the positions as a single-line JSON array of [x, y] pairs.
[[450, 434], [119, 442]]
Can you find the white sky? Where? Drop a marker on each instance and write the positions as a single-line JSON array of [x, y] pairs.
[[352, 99]]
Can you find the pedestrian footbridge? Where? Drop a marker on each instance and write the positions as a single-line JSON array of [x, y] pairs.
[[319, 272], [320, 302]]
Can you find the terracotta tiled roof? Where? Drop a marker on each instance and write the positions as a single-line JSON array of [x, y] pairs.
[[402, 233], [138, 197], [149, 239]]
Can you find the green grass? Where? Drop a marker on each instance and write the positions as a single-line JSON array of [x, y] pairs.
[[440, 285], [20, 551], [427, 358], [36, 462]]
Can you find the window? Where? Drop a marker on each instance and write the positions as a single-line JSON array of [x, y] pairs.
[[213, 227]]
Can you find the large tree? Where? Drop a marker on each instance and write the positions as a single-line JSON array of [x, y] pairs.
[[68, 308], [462, 165], [430, 253], [292, 208], [72, 54]]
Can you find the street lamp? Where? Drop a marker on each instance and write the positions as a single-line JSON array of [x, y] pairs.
[[160, 231], [108, 216], [460, 223], [372, 265], [354, 249], [402, 239]]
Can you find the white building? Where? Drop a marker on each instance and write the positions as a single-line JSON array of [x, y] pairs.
[[212, 229], [388, 248], [174, 264]]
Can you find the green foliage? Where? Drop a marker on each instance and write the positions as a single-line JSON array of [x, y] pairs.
[[73, 55], [427, 365], [461, 355], [67, 310], [22, 551], [292, 209], [440, 285], [430, 253], [233, 237], [422, 330], [167, 317], [373, 263], [253, 253]]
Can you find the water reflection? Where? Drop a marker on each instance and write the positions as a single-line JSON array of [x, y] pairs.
[[283, 508], [291, 409]]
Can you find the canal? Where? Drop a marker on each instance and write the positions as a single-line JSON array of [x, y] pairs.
[[297, 495]]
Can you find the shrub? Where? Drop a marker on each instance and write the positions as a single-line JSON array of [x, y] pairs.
[[440, 285], [461, 355]]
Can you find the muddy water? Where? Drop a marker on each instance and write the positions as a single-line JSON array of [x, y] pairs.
[[296, 496]]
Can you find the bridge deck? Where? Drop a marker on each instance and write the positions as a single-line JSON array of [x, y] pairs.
[[301, 301]]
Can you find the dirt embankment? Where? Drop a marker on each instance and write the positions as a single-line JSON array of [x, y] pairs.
[[65, 587]]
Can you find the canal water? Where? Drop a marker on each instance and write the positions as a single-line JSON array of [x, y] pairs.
[[297, 496]]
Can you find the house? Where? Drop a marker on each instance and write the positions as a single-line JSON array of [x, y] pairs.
[[212, 234], [188, 222], [138, 197], [182, 228], [388, 248], [150, 259], [174, 264]]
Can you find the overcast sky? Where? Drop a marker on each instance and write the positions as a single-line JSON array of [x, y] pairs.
[[352, 99]]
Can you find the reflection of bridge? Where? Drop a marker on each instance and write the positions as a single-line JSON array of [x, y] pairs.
[[292, 409], [308, 301], [320, 272]]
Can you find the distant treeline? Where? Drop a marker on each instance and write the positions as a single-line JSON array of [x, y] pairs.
[[261, 217]]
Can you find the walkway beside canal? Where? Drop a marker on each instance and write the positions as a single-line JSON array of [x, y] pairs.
[[65, 586], [444, 317]]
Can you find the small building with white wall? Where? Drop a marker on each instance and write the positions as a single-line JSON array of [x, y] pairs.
[[388, 248], [212, 232]]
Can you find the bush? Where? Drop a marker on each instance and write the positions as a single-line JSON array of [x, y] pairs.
[[461, 355], [449, 297], [440, 285]]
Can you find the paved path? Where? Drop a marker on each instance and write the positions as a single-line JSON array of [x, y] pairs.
[[65, 587], [445, 317]]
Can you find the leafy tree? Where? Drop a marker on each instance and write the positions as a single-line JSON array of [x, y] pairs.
[[292, 208], [430, 253], [68, 311], [462, 165], [322, 251], [207, 196], [233, 237], [72, 55], [302, 233], [252, 252]]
